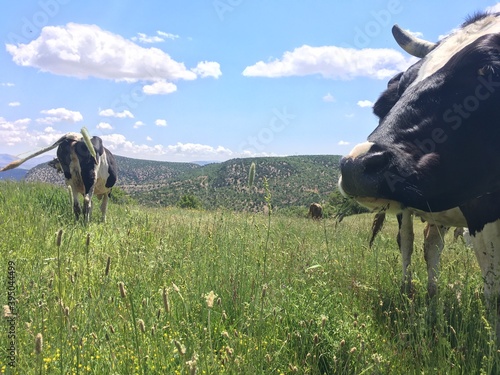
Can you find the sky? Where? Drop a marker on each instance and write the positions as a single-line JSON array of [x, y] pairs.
[[212, 80]]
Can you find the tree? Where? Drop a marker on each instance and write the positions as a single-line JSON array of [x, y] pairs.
[[189, 201]]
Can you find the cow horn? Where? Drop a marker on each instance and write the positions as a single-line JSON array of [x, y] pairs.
[[414, 46]]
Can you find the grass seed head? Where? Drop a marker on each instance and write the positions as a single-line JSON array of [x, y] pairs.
[[6, 311], [108, 263], [180, 347], [251, 175], [209, 298], [123, 292], [166, 303], [59, 238], [39, 343], [142, 326]]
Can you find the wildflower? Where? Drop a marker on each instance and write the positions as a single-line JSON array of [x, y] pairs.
[[38, 343], [123, 292], [210, 297]]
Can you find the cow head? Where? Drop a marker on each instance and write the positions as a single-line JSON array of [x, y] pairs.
[[437, 144]]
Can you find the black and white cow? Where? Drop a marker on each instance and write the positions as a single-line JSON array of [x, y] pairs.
[[85, 173], [436, 149]]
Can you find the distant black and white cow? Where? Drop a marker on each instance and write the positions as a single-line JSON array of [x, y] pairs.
[[85, 173], [436, 149], [315, 211]]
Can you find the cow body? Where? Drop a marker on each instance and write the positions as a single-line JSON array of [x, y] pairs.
[[435, 151], [86, 173], [315, 211]]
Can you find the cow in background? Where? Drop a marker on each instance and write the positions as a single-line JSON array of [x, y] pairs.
[[315, 211], [89, 168]]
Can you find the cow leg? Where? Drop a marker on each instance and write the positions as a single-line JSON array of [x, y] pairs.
[[433, 247], [87, 204], [76, 204], [405, 241], [486, 245]]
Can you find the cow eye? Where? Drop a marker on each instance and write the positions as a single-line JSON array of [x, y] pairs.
[[487, 70]]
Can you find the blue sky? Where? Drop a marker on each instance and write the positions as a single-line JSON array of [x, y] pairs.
[[213, 80]]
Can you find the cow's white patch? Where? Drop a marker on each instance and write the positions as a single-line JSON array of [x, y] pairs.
[[437, 58], [360, 149], [486, 245], [451, 218]]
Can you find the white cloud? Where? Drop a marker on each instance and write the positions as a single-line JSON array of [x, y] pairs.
[[143, 38], [494, 8], [82, 51], [149, 138], [332, 62], [365, 103], [328, 98], [208, 69], [167, 35], [138, 124], [119, 144], [59, 115], [160, 87], [161, 122], [158, 38], [104, 125], [343, 143], [15, 133], [14, 104], [7, 84], [111, 113]]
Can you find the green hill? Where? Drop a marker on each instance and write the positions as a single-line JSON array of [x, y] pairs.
[[293, 181]]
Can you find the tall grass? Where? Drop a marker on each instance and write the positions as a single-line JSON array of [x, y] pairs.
[[325, 304]]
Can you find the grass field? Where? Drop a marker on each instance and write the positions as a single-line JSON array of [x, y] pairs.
[[171, 291]]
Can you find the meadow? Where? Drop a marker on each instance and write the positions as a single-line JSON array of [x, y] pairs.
[[173, 291]]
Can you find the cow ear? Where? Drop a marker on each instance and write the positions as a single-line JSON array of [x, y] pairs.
[[97, 143]]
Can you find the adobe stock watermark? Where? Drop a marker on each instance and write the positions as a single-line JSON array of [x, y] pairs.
[[222, 7], [280, 120], [10, 312], [379, 21], [453, 118], [31, 26]]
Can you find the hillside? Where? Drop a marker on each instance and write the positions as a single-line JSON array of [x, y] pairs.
[[294, 181]]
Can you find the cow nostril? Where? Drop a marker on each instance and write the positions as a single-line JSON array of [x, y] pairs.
[[375, 162]]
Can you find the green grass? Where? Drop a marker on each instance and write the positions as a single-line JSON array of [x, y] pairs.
[[291, 295]]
